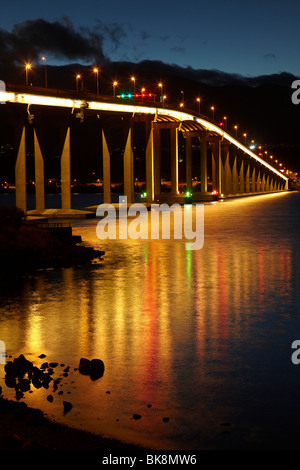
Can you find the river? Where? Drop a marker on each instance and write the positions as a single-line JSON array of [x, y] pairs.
[[196, 342]]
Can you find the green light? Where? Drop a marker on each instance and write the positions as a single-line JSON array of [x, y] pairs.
[[188, 193], [122, 96], [129, 96]]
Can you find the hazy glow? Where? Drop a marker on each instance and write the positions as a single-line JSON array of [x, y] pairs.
[[128, 108]]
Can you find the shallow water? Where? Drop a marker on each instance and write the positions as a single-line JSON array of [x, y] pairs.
[[204, 336]]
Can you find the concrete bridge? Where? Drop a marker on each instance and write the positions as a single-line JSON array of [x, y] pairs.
[[234, 169]]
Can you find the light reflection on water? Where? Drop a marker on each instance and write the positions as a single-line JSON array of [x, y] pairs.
[[203, 336]]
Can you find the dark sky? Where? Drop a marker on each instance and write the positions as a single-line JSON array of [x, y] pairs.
[[247, 38]]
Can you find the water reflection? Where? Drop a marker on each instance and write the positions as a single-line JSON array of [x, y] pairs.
[[190, 332]]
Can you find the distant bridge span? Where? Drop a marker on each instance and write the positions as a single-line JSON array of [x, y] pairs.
[[235, 169]]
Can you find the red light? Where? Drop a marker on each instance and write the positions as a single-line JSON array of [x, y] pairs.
[[221, 124], [136, 96], [260, 154], [150, 94]]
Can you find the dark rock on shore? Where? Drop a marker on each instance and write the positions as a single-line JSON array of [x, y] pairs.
[[67, 406], [94, 368]]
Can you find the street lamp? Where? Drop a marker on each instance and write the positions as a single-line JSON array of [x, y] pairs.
[[27, 68], [225, 120], [245, 135], [213, 111], [46, 78], [96, 71], [161, 90], [163, 99], [133, 80], [114, 87], [198, 101], [182, 93], [78, 77], [236, 128]]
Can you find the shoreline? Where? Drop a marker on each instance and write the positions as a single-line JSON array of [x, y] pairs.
[[25, 428]]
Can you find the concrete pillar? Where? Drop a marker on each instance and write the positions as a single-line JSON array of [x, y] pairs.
[[203, 161], [65, 166], [174, 159], [106, 171], [263, 183], [227, 189], [253, 185], [157, 159], [234, 176], [188, 162], [241, 177], [286, 185], [39, 175], [216, 166], [20, 174], [128, 170], [149, 161], [267, 185], [271, 184], [247, 180], [258, 182]]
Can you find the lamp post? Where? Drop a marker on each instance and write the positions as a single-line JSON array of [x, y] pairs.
[[46, 78], [78, 77], [96, 71], [182, 94], [236, 128], [245, 136], [161, 91], [225, 120], [27, 68], [133, 80], [198, 101], [114, 87], [213, 112], [163, 99]]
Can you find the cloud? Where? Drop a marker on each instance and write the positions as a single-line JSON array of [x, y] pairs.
[[31, 39], [270, 55]]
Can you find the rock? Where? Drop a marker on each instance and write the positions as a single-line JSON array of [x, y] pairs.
[[22, 365], [165, 420], [50, 398], [149, 405], [96, 369], [136, 416], [67, 406], [45, 365], [53, 364], [84, 366], [24, 385], [93, 368], [42, 356]]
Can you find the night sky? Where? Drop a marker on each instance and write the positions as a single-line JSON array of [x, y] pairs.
[[248, 38]]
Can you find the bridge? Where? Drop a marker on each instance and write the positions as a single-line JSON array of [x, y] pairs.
[[234, 170]]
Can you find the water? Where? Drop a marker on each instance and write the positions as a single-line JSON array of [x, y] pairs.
[[203, 336]]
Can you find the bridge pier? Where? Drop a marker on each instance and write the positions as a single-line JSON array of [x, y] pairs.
[[128, 170], [65, 166], [39, 175], [203, 161], [188, 162], [20, 174], [106, 171]]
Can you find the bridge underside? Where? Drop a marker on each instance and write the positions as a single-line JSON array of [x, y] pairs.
[[197, 161]]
